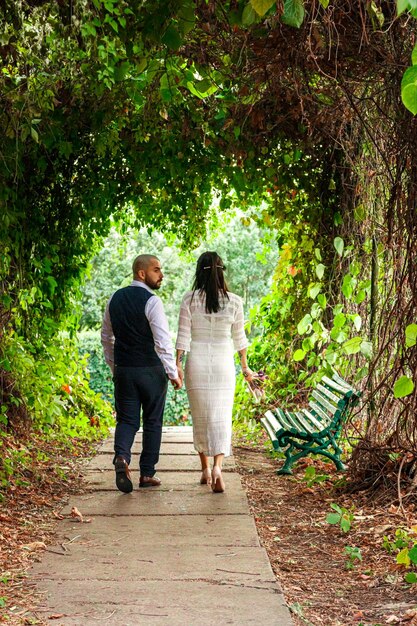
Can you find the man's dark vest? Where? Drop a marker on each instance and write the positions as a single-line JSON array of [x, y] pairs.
[[134, 343]]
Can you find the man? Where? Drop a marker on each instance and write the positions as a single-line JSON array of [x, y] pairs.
[[138, 349]]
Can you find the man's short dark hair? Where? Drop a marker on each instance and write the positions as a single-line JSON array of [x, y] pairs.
[[142, 262]]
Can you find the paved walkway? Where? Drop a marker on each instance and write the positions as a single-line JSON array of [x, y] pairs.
[[177, 555]]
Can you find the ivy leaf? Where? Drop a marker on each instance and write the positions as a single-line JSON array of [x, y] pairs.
[[403, 387], [339, 320], [314, 290], [304, 324], [411, 335], [320, 270], [403, 558], [414, 55], [324, 3], [298, 355], [410, 577], [357, 322], [352, 346], [262, 6], [347, 287], [409, 89], [333, 518], [413, 554], [339, 244], [405, 5], [322, 300], [171, 38], [366, 349], [293, 13], [249, 15]]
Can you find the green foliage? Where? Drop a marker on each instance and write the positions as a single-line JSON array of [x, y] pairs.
[[293, 14], [177, 410], [342, 517], [100, 377], [312, 478], [248, 252], [404, 386], [354, 554], [54, 388], [404, 545]]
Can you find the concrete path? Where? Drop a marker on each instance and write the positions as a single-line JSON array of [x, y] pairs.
[[177, 555]]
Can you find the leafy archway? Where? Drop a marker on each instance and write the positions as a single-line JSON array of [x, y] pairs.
[[115, 110]]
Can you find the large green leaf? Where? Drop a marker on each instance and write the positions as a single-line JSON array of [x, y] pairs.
[[262, 6], [172, 38], [352, 346], [403, 387], [304, 324], [409, 89], [293, 13], [413, 553], [249, 15], [320, 270], [339, 244], [366, 349], [298, 355], [414, 55], [411, 335], [406, 5]]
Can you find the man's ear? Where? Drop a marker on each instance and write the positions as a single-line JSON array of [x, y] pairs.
[[141, 274]]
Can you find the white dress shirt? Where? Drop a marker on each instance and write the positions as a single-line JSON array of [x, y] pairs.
[[155, 314]]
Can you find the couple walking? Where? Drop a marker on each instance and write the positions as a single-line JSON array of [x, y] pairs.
[[138, 349]]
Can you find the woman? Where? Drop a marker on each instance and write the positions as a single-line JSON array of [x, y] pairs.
[[210, 330]]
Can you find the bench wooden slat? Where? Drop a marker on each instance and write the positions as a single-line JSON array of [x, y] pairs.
[[337, 400], [342, 382], [272, 421], [322, 400], [336, 386], [292, 417], [308, 425], [283, 420], [319, 425], [271, 426]]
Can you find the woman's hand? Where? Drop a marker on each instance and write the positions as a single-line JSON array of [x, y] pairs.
[[180, 372], [248, 374]]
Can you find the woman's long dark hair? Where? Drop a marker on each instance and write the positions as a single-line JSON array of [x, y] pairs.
[[209, 280]]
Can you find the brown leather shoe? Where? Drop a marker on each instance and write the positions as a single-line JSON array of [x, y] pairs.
[[149, 481], [123, 477]]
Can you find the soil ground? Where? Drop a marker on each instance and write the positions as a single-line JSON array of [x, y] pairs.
[[306, 552], [322, 586]]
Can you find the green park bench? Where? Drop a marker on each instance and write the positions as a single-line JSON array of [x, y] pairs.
[[316, 429]]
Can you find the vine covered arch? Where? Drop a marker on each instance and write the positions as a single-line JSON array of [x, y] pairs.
[[114, 110]]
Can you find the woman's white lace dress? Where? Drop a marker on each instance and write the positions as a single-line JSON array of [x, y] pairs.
[[210, 339]]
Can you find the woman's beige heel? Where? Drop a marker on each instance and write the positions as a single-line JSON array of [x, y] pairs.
[[205, 477], [217, 483]]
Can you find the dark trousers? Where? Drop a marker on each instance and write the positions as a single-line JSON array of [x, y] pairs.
[[139, 390]]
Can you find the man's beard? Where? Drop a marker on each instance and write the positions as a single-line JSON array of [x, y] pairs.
[[153, 285]]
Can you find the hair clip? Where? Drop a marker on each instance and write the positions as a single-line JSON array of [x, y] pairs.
[[209, 267]]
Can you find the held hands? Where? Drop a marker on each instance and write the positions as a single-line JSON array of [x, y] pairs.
[[176, 382]]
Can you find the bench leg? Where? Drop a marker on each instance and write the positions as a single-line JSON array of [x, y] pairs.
[[290, 460], [339, 465], [306, 449]]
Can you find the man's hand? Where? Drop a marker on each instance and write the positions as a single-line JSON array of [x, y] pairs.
[[176, 382], [180, 372]]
